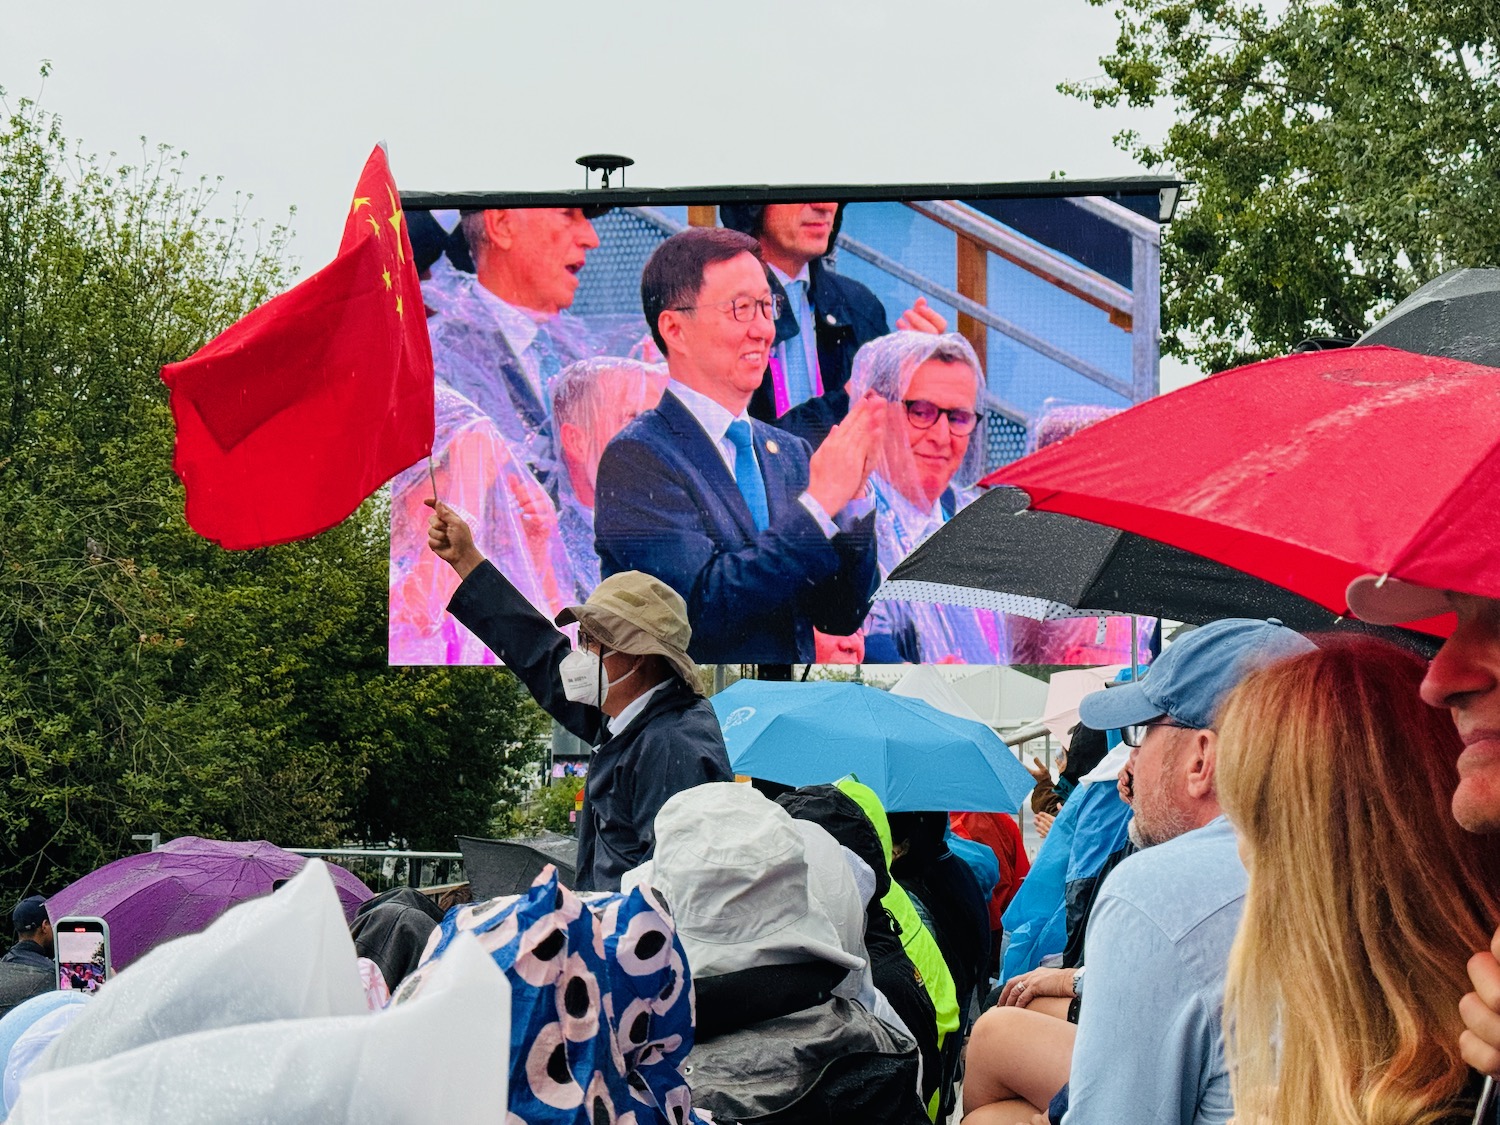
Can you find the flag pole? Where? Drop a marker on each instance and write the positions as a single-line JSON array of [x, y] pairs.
[[432, 476]]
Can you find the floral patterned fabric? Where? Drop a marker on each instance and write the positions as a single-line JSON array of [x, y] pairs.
[[601, 1003]]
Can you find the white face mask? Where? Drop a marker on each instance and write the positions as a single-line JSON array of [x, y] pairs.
[[583, 678]]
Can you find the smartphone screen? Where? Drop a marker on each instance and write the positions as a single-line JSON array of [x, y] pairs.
[[82, 951]]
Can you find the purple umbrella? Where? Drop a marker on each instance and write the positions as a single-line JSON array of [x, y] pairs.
[[183, 886]]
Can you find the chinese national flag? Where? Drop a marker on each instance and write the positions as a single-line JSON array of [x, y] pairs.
[[299, 411]]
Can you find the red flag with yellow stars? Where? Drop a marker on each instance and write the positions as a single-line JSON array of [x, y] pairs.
[[296, 413]]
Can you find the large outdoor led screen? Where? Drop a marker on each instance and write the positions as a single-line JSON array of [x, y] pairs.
[[577, 442]]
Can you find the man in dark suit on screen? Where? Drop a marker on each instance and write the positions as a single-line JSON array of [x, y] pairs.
[[764, 539]]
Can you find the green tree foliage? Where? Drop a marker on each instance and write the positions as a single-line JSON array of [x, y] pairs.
[[1341, 153], [550, 809], [150, 681]]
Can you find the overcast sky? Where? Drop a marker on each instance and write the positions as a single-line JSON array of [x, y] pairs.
[[284, 100]]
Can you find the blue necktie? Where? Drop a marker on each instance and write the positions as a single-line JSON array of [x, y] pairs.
[[799, 386], [747, 474]]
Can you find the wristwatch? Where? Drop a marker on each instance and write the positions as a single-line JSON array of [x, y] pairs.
[[1078, 981]]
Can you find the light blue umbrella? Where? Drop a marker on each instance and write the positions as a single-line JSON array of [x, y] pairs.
[[914, 756]]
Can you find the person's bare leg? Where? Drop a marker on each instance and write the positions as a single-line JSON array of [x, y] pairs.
[[1055, 1006], [1016, 1053], [1012, 1111]]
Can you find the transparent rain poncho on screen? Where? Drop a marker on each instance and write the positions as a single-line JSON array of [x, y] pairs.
[[923, 632]]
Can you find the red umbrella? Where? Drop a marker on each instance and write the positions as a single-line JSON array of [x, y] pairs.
[[1307, 471]]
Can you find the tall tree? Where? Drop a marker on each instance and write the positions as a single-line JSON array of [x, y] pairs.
[[1341, 154], [150, 681]]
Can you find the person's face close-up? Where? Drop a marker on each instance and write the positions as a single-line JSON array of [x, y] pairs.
[[935, 451], [796, 233], [548, 246], [1157, 785], [730, 352], [616, 664], [1464, 677], [828, 649]]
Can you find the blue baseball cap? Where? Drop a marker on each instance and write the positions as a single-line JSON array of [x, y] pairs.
[[1190, 680], [29, 913]]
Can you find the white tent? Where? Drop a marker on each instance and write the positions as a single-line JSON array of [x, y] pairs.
[[997, 696], [926, 683], [1004, 698]]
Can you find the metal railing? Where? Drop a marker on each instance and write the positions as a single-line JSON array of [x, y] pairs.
[[1136, 310], [381, 865], [968, 306], [997, 238], [1145, 288]]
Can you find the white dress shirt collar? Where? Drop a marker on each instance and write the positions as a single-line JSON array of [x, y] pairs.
[[714, 420], [713, 417], [619, 722], [517, 325]]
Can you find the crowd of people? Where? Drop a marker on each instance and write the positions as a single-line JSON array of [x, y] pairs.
[[1183, 917], [1278, 904], [761, 440], [1297, 929], [1226, 967], [1291, 944]]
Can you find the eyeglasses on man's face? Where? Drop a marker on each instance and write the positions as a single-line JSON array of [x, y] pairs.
[[924, 416], [1135, 734], [744, 309]]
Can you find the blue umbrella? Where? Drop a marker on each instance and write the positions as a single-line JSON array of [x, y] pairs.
[[914, 756]]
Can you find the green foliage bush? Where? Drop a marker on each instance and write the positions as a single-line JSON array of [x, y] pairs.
[[1341, 153], [550, 809], [150, 681]]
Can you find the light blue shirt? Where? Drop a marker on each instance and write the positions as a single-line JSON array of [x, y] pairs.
[[806, 341], [1150, 1043]]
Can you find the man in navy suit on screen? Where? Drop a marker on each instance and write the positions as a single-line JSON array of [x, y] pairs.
[[764, 539]]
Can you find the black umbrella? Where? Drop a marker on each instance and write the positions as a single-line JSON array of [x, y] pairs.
[[508, 867], [996, 549], [1456, 315]]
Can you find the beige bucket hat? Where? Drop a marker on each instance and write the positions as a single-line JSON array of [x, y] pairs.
[[634, 613]]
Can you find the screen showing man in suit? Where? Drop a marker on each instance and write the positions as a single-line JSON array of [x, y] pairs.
[[764, 538], [669, 389], [825, 317]]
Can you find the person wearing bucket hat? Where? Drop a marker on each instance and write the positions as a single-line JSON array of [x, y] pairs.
[[1464, 678], [1159, 936], [825, 317], [629, 689]]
